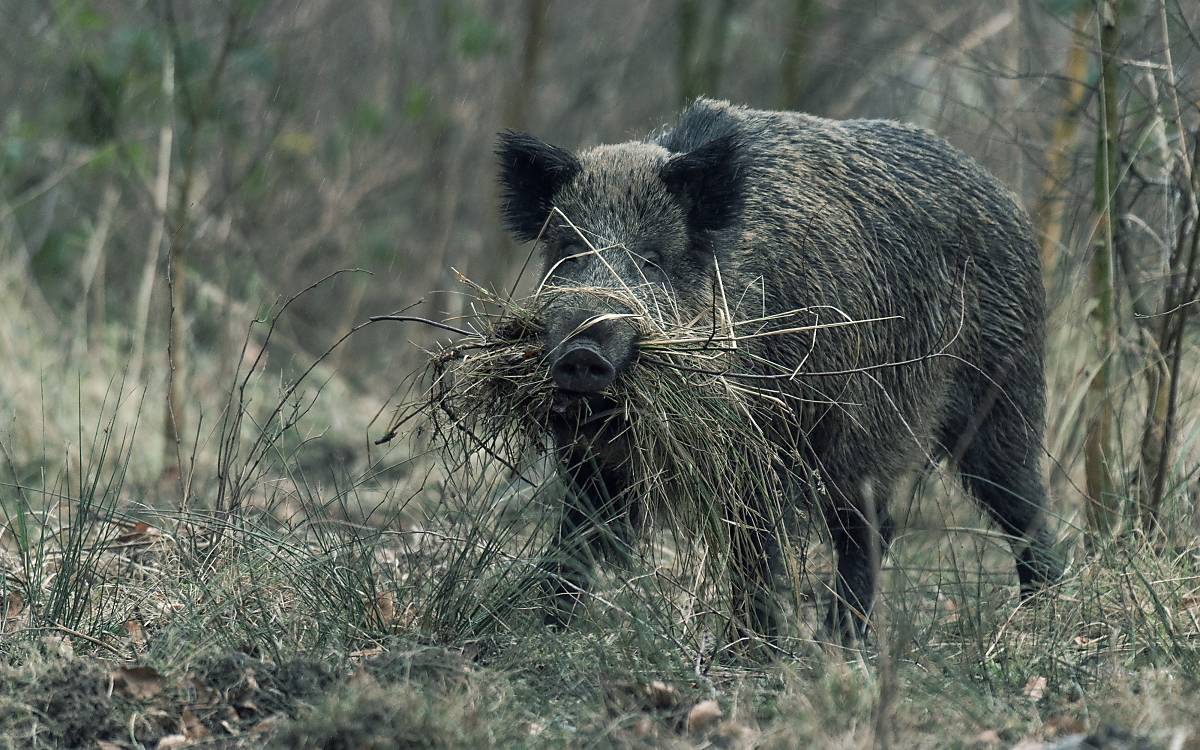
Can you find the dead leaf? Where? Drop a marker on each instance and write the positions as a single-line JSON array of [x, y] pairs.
[[193, 728], [247, 707], [1035, 688], [1063, 724], [205, 696], [171, 741], [703, 715], [385, 608], [949, 609], [987, 737], [268, 724], [13, 606], [139, 532], [643, 727], [361, 678], [408, 617], [249, 679], [661, 695], [142, 683], [106, 745], [59, 644], [14, 603], [733, 734], [366, 653], [136, 634]]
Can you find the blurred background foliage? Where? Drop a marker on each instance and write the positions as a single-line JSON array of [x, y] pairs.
[[169, 169]]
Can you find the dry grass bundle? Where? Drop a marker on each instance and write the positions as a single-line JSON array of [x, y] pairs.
[[705, 441], [704, 447]]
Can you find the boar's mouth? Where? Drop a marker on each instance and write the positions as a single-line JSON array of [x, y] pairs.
[[584, 408], [583, 372], [584, 418]]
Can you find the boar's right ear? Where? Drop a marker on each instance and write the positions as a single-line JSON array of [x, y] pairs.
[[531, 172], [708, 182]]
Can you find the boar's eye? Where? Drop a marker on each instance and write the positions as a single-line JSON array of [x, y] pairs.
[[571, 253], [648, 258]]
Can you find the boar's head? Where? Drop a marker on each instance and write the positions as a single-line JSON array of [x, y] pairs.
[[617, 225]]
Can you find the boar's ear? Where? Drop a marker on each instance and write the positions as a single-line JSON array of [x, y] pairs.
[[708, 182], [531, 172]]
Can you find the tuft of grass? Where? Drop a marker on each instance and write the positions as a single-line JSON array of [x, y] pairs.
[[417, 699]]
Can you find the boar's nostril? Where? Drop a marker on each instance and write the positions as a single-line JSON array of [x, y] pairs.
[[583, 369]]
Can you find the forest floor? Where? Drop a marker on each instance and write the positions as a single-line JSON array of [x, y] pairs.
[[361, 597], [339, 615]]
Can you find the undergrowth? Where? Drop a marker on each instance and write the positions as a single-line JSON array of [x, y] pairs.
[[385, 602]]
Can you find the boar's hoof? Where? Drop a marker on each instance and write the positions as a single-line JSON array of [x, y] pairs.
[[844, 625], [563, 602]]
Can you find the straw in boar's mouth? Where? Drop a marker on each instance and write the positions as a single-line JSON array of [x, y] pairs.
[[697, 423]]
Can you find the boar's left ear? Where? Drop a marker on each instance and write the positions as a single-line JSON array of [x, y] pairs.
[[708, 182], [531, 172]]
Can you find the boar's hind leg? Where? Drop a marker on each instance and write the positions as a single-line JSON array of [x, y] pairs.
[[999, 463], [597, 523], [861, 530]]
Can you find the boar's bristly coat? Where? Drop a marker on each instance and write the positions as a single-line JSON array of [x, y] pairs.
[[852, 220]]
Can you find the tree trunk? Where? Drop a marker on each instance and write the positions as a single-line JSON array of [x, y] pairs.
[[700, 60], [1177, 301], [1103, 507], [1153, 463], [685, 61], [792, 73], [1158, 373], [517, 115], [1048, 214], [161, 188], [197, 108], [713, 65], [175, 418], [91, 268]]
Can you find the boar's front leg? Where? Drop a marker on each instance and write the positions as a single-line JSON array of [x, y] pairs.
[[598, 523], [861, 529], [755, 561]]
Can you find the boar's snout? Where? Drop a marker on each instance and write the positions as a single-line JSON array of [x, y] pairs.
[[582, 368], [587, 352]]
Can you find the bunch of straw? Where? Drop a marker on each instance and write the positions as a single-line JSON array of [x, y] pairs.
[[707, 435], [702, 456]]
